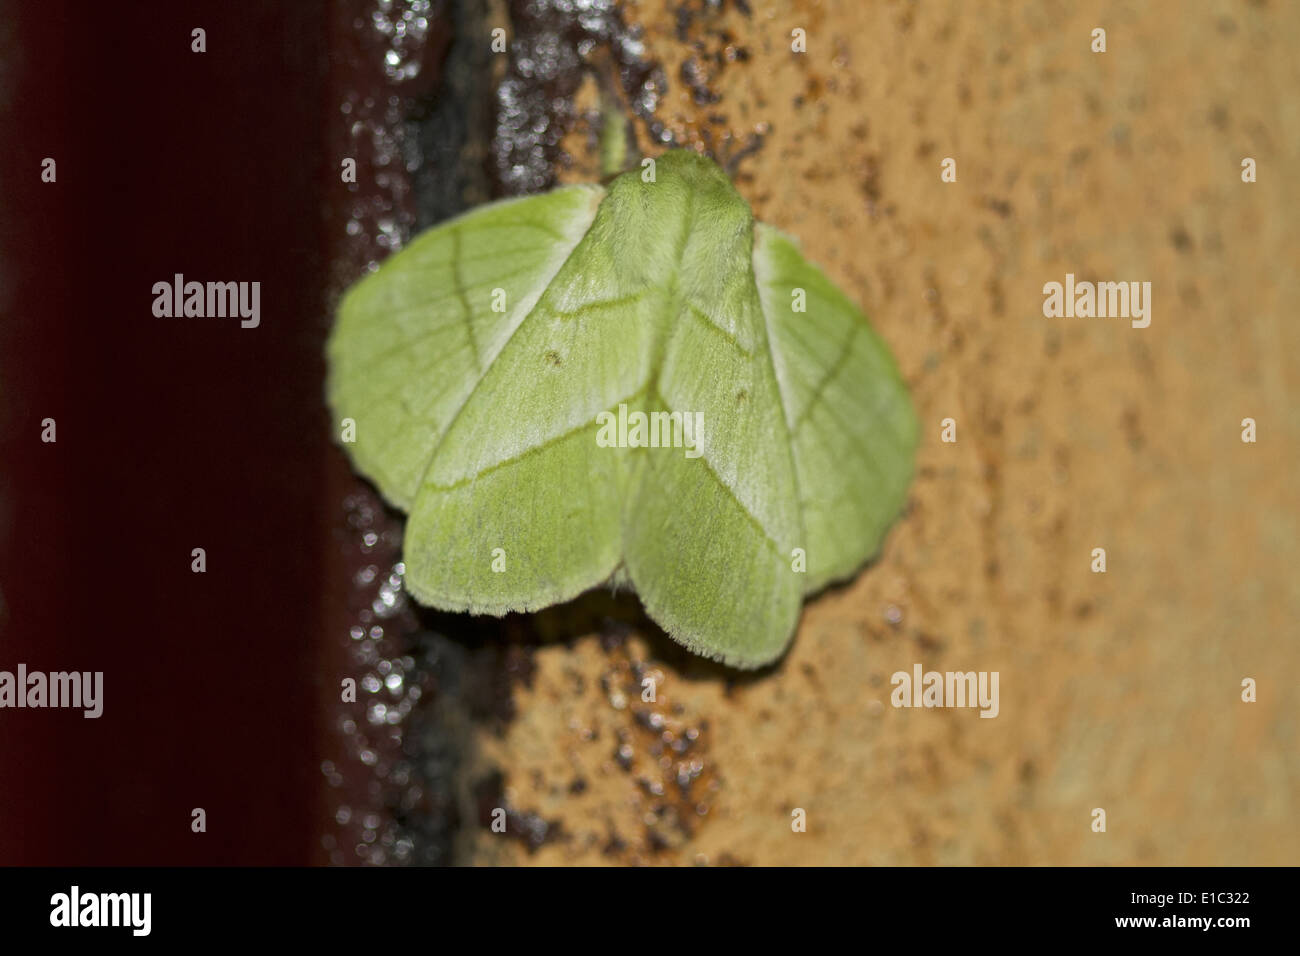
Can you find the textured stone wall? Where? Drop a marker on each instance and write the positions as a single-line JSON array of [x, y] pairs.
[[1118, 690]]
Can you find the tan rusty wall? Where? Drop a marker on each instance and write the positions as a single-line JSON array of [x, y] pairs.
[[1119, 691]]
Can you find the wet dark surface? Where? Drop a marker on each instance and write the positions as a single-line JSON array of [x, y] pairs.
[[556, 44]]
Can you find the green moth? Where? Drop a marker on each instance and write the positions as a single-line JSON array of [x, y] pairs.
[[636, 385]]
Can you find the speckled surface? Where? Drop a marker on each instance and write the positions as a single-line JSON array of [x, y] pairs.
[[1119, 691]]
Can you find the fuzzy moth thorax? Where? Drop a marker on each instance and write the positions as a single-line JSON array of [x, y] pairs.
[[679, 222]]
